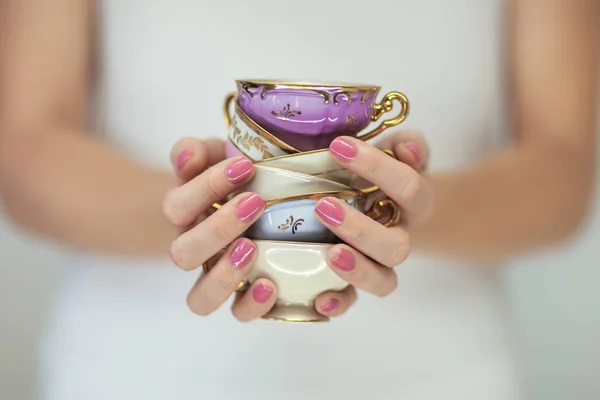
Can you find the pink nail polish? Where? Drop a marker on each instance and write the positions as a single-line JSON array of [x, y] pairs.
[[183, 157], [261, 293], [331, 305], [249, 207], [241, 254], [239, 170], [344, 260], [330, 212], [415, 150], [343, 149]]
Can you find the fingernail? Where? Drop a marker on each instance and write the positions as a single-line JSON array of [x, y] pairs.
[[414, 149], [330, 212], [241, 254], [261, 293], [331, 305], [344, 260], [343, 149], [239, 170], [183, 157], [249, 207]]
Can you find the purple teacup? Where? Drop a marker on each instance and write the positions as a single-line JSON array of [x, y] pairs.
[[308, 116]]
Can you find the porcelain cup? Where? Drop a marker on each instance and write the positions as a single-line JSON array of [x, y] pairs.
[[294, 219], [308, 116], [248, 138], [300, 272]]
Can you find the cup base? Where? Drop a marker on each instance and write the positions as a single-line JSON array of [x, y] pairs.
[[295, 313]]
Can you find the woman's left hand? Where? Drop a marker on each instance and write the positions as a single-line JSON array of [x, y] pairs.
[[372, 250]]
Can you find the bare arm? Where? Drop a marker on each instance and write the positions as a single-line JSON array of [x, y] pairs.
[[537, 192], [55, 179]]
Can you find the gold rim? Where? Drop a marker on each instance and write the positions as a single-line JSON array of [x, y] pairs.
[[378, 208], [307, 84], [294, 320], [343, 195], [340, 89], [340, 194], [260, 131]]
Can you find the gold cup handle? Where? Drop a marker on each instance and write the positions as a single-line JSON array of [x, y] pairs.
[[378, 209], [386, 105], [227, 106]]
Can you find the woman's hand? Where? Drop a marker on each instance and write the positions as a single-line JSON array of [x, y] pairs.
[[372, 250], [208, 178]]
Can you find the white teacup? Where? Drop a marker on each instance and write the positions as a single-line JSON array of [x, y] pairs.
[[320, 163], [300, 272], [250, 139], [274, 183], [294, 219]]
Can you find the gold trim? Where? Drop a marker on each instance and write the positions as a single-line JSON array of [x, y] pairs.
[[260, 131], [339, 88], [384, 106], [240, 150], [248, 141], [294, 320], [340, 194]]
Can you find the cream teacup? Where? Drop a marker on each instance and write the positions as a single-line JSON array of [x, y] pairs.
[[248, 138], [300, 272], [274, 183]]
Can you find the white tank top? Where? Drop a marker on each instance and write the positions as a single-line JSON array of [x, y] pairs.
[[122, 329]]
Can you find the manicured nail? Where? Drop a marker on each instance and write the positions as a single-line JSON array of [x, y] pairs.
[[330, 212], [239, 170], [331, 305], [415, 150], [241, 254], [343, 149], [344, 260], [184, 156], [249, 207], [261, 293]]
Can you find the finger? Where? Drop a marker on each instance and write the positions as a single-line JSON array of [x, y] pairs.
[[256, 301], [193, 247], [190, 156], [410, 147], [362, 272], [334, 304], [182, 205], [399, 181], [388, 246], [215, 287]]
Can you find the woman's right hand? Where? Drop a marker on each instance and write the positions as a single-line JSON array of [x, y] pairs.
[[208, 178]]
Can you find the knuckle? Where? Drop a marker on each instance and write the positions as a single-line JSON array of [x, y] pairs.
[[411, 188], [372, 164], [223, 232], [212, 187], [355, 234], [227, 284], [171, 210]]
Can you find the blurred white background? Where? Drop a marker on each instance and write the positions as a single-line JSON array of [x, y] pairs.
[[554, 296]]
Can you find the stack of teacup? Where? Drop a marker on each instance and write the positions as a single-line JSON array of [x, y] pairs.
[[285, 128]]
